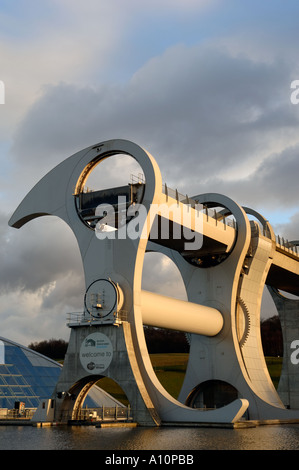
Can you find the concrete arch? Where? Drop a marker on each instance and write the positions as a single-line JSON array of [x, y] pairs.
[[267, 227], [73, 398], [211, 393]]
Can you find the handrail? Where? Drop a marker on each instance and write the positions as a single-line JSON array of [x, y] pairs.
[[100, 414], [286, 246], [82, 318], [193, 203], [283, 244]]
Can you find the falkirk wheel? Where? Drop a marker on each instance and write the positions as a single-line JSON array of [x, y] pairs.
[[224, 264]]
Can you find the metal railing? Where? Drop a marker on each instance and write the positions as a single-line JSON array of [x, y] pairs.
[[101, 414], [81, 318], [210, 213], [137, 179], [104, 413], [220, 217], [287, 246], [14, 414]]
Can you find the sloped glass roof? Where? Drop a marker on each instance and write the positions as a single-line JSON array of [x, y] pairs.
[[27, 376]]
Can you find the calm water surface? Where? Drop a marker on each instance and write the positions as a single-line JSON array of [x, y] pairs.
[[282, 437]]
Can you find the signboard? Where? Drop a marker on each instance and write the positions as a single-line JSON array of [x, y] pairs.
[[96, 353]]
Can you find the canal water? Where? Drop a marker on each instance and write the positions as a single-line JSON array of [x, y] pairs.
[[172, 439]]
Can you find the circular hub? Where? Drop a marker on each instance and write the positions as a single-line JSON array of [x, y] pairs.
[[102, 298]]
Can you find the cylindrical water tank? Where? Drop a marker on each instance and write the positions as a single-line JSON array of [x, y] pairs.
[[166, 312]]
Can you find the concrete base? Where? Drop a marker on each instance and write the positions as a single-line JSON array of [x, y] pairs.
[[116, 425], [246, 424], [44, 412], [76, 380]]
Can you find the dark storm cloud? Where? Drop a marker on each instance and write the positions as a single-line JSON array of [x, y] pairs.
[[273, 184], [198, 108], [36, 255], [214, 123]]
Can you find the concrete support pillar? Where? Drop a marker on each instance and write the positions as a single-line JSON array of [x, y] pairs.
[[113, 358]]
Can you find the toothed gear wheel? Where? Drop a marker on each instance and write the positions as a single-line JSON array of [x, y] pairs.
[[246, 313], [188, 338]]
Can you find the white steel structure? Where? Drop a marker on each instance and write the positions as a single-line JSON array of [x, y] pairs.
[[224, 267]]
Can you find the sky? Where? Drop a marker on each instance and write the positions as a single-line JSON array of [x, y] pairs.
[[203, 85]]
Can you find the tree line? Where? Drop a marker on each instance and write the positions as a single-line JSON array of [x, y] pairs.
[[272, 336], [166, 341], [52, 348]]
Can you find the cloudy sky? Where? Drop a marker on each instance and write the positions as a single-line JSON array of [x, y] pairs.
[[203, 85]]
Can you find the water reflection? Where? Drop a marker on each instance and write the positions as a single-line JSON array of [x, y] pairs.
[[90, 438]]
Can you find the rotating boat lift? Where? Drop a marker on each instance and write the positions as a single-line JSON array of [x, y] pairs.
[[224, 268]]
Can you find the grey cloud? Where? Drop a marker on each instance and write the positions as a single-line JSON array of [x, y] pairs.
[[202, 114], [274, 184], [36, 255], [290, 230], [161, 275], [197, 108]]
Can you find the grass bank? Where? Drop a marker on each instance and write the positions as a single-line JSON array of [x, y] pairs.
[[170, 370]]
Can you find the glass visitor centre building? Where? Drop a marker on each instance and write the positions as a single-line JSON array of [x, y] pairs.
[[29, 377]]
